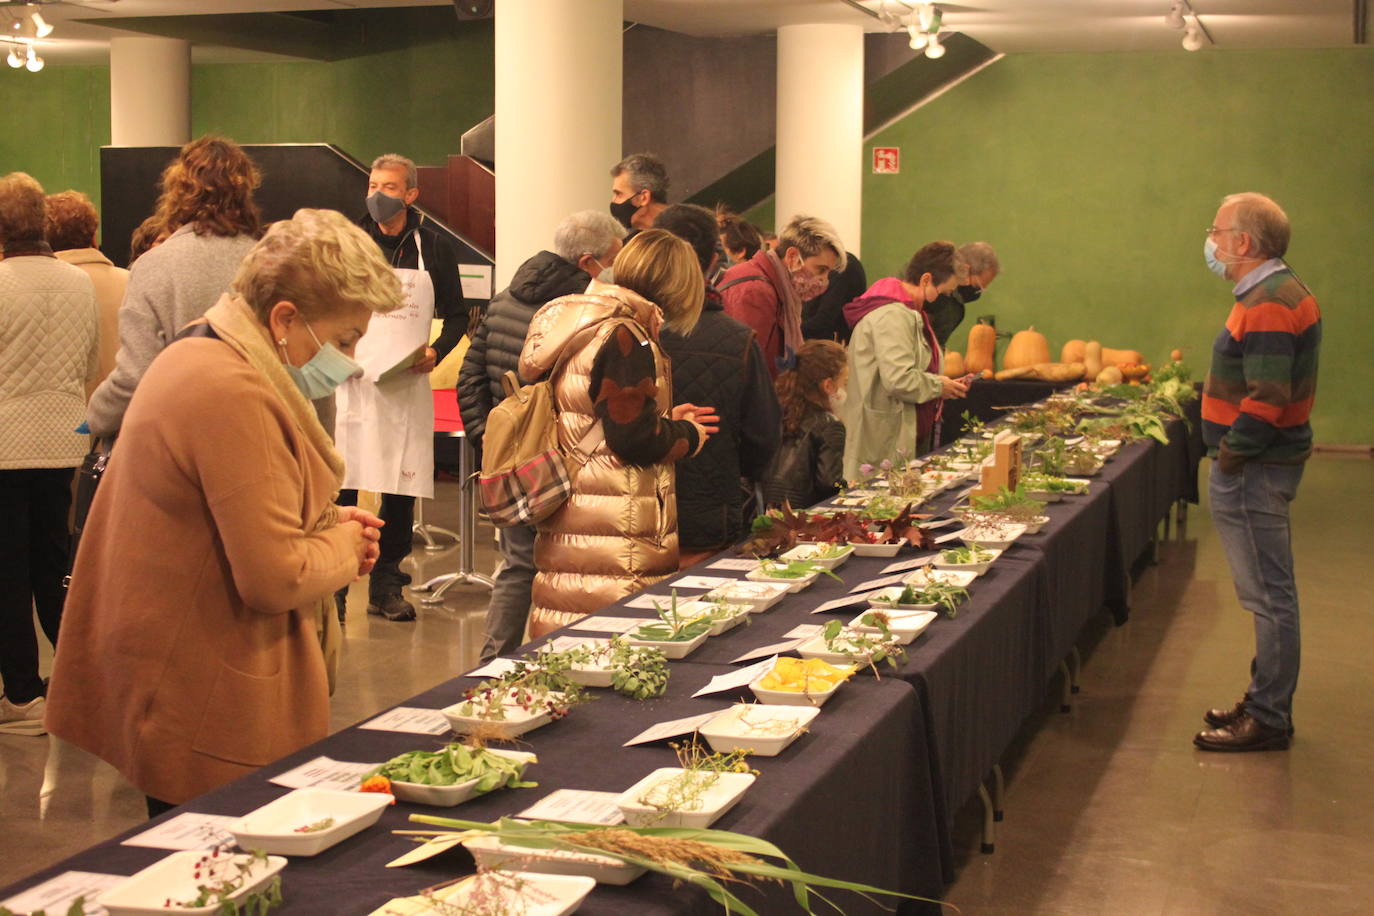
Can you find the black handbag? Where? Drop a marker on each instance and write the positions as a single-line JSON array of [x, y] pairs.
[[87, 480]]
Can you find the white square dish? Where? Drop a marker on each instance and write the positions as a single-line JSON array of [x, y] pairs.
[[723, 792], [879, 550], [977, 568], [526, 893], [885, 599], [276, 827], [447, 796], [490, 852], [811, 554], [904, 625], [794, 583], [764, 731], [760, 596], [998, 537], [171, 878], [515, 723]]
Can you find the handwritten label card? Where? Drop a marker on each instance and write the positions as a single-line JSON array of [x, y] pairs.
[[735, 679], [802, 631], [904, 565], [742, 564], [938, 523], [648, 601], [872, 584], [56, 895], [700, 582], [579, 806], [188, 830], [776, 648], [952, 536], [672, 729], [494, 668], [324, 773], [845, 602], [411, 719]]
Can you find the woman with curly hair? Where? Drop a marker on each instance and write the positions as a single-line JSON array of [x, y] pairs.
[[207, 206], [808, 467]]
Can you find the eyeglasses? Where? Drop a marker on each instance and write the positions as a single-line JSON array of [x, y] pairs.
[[1213, 230]]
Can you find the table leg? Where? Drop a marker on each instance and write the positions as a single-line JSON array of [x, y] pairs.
[[1066, 703], [999, 791]]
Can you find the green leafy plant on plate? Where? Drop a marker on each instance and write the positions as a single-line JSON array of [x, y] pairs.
[[858, 644]]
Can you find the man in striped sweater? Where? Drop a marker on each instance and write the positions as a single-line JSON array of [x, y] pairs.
[[1255, 410]]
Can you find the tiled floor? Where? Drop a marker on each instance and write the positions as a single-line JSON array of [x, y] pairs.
[[1109, 809]]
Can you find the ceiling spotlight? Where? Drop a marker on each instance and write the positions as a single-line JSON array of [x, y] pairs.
[[935, 50], [1192, 38], [34, 63], [14, 60], [918, 38], [1174, 18], [40, 25]]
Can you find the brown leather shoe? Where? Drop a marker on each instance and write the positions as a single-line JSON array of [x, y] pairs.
[[1224, 717], [1246, 733]]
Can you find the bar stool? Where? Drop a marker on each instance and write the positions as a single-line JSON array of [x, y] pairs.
[[448, 423]]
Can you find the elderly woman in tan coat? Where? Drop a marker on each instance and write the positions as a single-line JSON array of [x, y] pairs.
[[617, 533], [200, 619]]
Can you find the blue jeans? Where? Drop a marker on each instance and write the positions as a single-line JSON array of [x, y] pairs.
[[510, 594], [1250, 512]]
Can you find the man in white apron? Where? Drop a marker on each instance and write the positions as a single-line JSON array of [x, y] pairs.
[[385, 423]]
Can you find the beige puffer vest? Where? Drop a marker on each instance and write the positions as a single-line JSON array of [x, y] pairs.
[[617, 533]]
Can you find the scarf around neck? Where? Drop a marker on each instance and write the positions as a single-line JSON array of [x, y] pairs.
[[237, 326]]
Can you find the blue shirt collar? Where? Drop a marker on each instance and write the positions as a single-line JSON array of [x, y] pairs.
[[1256, 276]]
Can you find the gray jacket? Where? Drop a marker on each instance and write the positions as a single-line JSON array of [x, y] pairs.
[[169, 287]]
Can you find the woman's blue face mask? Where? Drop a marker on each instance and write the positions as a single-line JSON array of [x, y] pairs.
[[322, 373]]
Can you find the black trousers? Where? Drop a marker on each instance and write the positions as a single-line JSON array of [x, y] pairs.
[[396, 541], [34, 544]]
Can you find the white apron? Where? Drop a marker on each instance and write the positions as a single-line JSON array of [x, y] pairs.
[[385, 429]]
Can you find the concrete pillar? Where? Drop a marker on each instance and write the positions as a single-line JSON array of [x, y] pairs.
[[820, 126], [150, 91], [558, 97]]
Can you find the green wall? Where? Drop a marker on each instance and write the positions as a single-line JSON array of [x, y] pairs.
[[1094, 176], [417, 100], [55, 122]]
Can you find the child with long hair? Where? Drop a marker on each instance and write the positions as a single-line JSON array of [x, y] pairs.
[[809, 466]]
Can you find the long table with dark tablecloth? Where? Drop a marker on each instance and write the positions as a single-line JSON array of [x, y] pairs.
[[867, 795]]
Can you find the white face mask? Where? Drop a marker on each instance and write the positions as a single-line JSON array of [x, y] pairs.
[[607, 274], [837, 400]]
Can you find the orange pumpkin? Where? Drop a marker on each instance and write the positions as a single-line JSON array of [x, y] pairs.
[[1027, 348], [1073, 351], [954, 364]]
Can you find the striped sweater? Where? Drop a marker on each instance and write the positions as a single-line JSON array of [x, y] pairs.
[[1258, 397]]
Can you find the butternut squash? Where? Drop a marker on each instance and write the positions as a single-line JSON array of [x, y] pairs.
[[1110, 376], [981, 354], [1092, 358], [954, 364], [1111, 357], [1027, 348], [1073, 351], [1050, 372]]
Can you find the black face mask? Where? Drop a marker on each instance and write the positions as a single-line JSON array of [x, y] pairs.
[[969, 293], [624, 211]]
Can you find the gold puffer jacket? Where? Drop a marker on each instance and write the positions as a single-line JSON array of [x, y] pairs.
[[617, 533]]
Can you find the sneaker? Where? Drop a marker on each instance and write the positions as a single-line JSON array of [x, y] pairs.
[[26, 719], [392, 607]]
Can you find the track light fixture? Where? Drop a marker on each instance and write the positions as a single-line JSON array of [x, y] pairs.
[[1174, 18], [34, 62], [1181, 15], [41, 28], [918, 38], [13, 59], [935, 50]]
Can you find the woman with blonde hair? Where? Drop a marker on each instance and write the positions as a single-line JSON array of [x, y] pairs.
[[200, 631], [617, 533], [207, 206]]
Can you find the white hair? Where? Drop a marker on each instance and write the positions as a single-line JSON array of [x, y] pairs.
[[590, 232], [397, 161], [980, 258]]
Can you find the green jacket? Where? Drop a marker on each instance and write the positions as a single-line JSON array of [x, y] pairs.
[[887, 379]]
